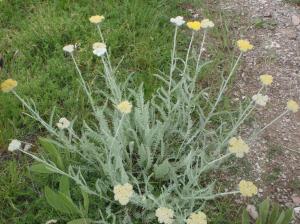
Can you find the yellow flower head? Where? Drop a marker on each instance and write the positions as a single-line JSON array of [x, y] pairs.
[[164, 215], [197, 218], [206, 23], [244, 45], [96, 19], [238, 146], [194, 25], [8, 85], [266, 79], [292, 106], [247, 188], [124, 107], [123, 193]]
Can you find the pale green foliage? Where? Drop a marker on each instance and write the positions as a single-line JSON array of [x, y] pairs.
[[163, 147]]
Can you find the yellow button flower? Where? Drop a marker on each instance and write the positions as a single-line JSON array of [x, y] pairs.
[[164, 215], [247, 188], [8, 85], [238, 146], [194, 25], [123, 193], [124, 107], [292, 106], [197, 218], [96, 19], [266, 79], [244, 45]]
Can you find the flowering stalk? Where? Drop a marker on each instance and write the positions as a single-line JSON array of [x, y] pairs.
[[268, 125], [173, 64], [201, 51], [222, 90], [36, 116], [188, 53], [84, 84]]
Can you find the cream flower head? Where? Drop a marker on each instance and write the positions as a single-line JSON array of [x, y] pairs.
[[244, 45], [99, 49], [123, 193], [197, 218], [292, 106], [260, 99], [247, 188], [14, 145], [124, 107], [8, 85], [266, 79], [177, 21], [98, 45], [69, 48], [63, 123], [96, 19], [194, 25], [206, 23], [164, 215], [238, 146]]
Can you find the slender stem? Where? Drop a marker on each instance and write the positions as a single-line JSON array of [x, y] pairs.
[[208, 165], [222, 91], [100, 33], [188, 53], [36, 115], [172, 59], [84, 84], [201, 51], [268, 125]]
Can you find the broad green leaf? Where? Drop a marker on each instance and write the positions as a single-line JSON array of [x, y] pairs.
[[274, 213], [281, 218], [162, 170], [80, 221], [86, 201], [61, 202], [288, 216], [40, 168], [53, 153], [245, 217], [264, 210], [64, 186]]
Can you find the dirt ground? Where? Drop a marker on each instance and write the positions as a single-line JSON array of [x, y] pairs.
[[273, 26]]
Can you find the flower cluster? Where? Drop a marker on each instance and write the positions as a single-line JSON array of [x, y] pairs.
[[96, 19], [266, 79], [194, 25], [260, 99], [124, 107], [292, 106], [164, 215], [247, 188], [197, 218], [63, 123], [8, 85], [123, 193], [244, 45], [238, 146]]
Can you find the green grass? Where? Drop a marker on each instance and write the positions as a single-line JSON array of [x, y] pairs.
[[32, 35]]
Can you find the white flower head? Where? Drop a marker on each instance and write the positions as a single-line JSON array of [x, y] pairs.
[[98, 45], [178, 21], [14, 145], [206, 23], [164, 215], [69, 48], [260, 99], [123, 193], [51, 221], [63, 123], [99, 49]]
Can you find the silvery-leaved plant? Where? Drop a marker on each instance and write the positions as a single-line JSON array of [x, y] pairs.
[[145, 161]]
